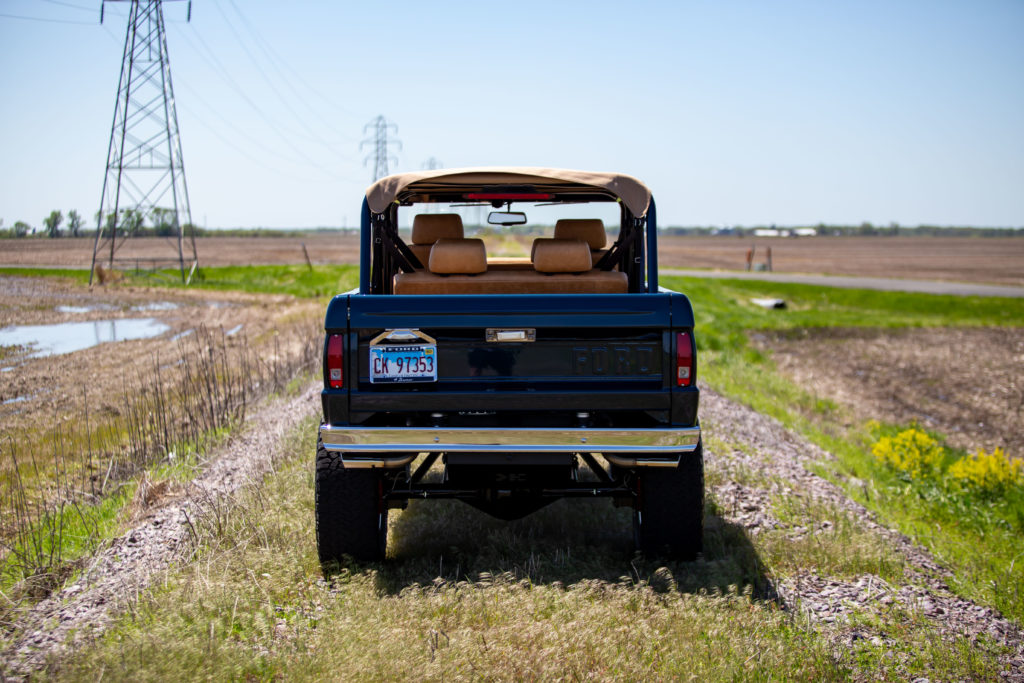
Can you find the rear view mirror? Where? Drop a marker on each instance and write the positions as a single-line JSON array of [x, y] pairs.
[[506, 218]]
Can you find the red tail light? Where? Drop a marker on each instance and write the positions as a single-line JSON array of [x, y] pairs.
[[684, 359], [335, 356], [508, 196]]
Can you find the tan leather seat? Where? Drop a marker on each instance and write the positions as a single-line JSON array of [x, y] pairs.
[[513, 282], [561, 256], [428, 228], [590, 230], [458, 257], [561, 267]]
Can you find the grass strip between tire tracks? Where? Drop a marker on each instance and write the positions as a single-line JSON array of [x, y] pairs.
[[552, 596]]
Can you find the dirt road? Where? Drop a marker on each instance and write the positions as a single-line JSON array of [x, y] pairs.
[[878, 283], [752, 462]]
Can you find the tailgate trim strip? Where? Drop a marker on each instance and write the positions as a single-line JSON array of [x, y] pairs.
[[639, 442]]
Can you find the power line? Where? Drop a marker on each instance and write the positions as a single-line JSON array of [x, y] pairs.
[[295, 75], [69, 4], [314, 136], [249, 139], [210, 57]]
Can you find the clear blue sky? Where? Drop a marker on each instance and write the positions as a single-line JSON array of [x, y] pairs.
[[733, 112]]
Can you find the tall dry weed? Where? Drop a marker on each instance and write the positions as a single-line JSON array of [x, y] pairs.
[[166, 410]]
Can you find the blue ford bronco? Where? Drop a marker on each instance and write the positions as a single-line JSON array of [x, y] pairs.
[[568, 373]]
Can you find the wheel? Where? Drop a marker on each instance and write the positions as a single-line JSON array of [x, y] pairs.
[[670, 513], [350, 517]]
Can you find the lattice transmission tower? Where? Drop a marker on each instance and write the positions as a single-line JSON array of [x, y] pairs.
[[379, 142], [145, 172]]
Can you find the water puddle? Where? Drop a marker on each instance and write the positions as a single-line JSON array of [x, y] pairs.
[[52, 340], [156, 306], [182, 335], [16, 399], [234, 330], [152, 306], [83, 309]]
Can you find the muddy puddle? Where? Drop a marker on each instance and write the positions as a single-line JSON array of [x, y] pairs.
[[61, 338]]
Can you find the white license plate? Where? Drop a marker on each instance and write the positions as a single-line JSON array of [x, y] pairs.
[[414, 363]]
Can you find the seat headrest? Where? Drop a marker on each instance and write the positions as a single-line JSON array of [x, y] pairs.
[[428, 228], [561, 256], [458, 257], [590, 230]]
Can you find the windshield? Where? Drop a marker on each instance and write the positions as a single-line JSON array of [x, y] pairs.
[[515, 241]]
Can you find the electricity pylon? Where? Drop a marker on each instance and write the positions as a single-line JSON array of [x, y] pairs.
[[379, 141], [145, 172]]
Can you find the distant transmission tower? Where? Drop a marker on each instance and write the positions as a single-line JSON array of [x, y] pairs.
[[378, 141], [145, 173]]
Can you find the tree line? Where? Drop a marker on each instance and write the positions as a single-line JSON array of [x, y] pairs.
[[863, 230], [159, 222]]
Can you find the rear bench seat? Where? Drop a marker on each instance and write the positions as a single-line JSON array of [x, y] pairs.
[[459, 266], [428, 228]]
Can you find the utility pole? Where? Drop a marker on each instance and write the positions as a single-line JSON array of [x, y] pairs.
[[145, 171], [378, 141]]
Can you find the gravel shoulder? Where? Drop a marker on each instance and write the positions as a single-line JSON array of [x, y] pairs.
[[130, 563], [780, 461]]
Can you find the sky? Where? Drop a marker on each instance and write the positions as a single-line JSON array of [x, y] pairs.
[[733, 113]]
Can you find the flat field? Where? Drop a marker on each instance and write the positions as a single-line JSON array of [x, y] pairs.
[[994, 260], [819, 562]]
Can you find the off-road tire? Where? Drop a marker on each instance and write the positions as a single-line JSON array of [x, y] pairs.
[[670, 514], [350, 519]]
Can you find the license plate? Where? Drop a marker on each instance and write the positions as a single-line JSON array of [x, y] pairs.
[[414, 363]]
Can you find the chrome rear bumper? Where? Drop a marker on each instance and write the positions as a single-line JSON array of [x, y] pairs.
[[398, 446]]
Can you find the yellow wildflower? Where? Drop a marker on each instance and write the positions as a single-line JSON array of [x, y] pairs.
[[911, 451]]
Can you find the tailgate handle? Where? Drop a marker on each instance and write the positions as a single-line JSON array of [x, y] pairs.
[[495, 334]]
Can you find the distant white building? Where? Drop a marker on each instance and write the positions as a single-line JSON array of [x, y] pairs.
[[806, 232], [771, 232]]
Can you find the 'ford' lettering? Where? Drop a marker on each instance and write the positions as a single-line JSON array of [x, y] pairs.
[[620, 360]]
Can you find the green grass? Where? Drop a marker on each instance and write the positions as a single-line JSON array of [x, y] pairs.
[[297, 280], [979, 543], [76, 274], [71, 532], [557, 595]]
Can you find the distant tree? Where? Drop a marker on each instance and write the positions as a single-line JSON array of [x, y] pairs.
[[131, 222], [163, 221], [74, 223], [108, 225], [52, 223], [21, 228]]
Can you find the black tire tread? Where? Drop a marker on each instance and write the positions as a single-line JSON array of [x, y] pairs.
[[348, 517]]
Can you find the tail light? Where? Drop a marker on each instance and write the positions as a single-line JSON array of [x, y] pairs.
[[335, 356], [684, 359]]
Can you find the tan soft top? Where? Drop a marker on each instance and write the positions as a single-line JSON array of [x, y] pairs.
[[633, 193]]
